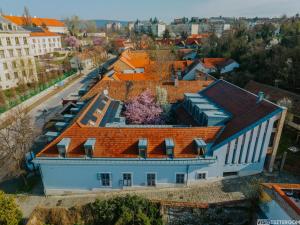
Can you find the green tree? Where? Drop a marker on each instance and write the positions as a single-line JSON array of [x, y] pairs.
[[166, 34], [124, 210], [9, 211]]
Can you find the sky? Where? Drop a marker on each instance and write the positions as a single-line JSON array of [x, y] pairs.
[[165, 10]]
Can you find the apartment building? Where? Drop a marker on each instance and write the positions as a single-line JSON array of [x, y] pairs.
[[17, 62], [43, 41]]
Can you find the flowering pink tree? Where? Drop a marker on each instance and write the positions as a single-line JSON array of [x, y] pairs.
[[98, 41], [72, 41], [143, 109]]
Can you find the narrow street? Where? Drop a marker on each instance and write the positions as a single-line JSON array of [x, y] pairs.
[[54, 103]]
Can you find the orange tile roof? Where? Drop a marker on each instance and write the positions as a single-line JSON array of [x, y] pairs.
[[123, 142], [37, 21], [123, 90], [45, 33], [213, 62]]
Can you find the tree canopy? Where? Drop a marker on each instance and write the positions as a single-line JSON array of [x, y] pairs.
[[125, 210]]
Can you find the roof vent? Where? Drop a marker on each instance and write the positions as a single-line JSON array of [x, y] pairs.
[[63, 146], [169, 147], [260, 96], [89, 146], [200, 146], [143, 144]]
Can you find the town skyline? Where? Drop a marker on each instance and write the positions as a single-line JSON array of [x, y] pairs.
[[167, 12]]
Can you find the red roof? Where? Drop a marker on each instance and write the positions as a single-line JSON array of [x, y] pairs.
[[123, 90], [213, 62], [241, 104], [44, 33], [19, 20], [123, 142]]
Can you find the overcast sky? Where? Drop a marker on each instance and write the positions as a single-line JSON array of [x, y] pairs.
[[144, 9]]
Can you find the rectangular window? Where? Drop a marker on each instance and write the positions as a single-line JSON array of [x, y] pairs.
[[227, 153], [19, 52], [25, 40], [27, 51], [105, 179], [227, 174], [201, 176], [0, 42], [180, 178], [8, 41], [256, 143], [17, 41], [24, 73], [5, 66], [16, 75], [11, 53], [151, 179], [7, 76], [14, 63], [242, 148], [2, 54], [127, 179], [234, 151], [249, 146]]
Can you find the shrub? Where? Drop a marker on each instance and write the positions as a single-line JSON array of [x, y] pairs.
[[124, 210], [9, 211]]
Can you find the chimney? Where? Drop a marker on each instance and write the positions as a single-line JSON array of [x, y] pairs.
[[260, 96]]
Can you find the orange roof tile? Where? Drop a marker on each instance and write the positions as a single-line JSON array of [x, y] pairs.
[[123, 90], [213, 62], [37, 21], [123, 142]]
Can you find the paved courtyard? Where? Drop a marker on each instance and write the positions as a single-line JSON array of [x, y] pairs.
[[207, 192]]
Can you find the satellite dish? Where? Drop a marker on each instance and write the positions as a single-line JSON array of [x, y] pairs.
[[105, 92]]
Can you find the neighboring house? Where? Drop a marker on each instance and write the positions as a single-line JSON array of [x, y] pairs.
[[222, 131], [81, 61], [275, 94], [43, 41], [17, 62], [52, 25], [189, 28], [279, 202]]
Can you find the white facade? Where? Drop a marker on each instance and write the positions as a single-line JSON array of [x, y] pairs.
[[158, 29], [194, 28], [17, 62], [42, 45], [189, 28], [59, 30]]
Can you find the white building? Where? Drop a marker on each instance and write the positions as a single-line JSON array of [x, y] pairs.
[[189, 28], [53, 25], [16, 58], [42, 41], [158, 29]]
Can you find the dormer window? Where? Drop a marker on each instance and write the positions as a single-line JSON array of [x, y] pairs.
[[200, 146], [169, 147], [89, 147], [63, 146], [143, 144]]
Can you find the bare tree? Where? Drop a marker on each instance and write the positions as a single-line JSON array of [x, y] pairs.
[[163, 60], [16, 138], [27, 20]]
